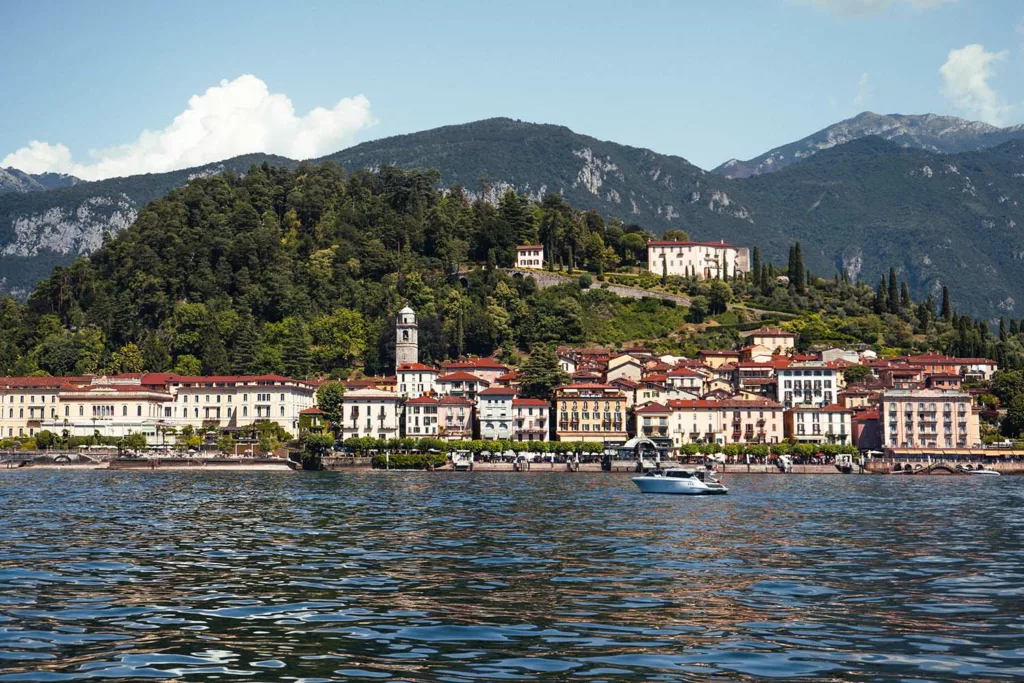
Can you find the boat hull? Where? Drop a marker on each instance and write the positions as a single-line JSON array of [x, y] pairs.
[[679, 487]]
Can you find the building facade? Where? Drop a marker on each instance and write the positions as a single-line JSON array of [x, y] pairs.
[[832, 424], [370, 412], [807, 384], [704, 260], [421, 417], [494, 412], [590, 412], [530, 256], [928, 418], [727, 421], [531, 419], [455, 414], [415, 379]]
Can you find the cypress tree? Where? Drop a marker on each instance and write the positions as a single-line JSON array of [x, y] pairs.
[[880, 304], [755, 268], [799, 276], [1002, 329], [894, 292], [664, 271], [905, 302], [947, 308], [570, 261], [767, 281], [1014, 328], [791, 266]]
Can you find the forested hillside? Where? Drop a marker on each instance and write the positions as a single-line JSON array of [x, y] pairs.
[[302, 271]]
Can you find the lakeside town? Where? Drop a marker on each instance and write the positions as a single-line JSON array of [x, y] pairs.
[[764, 398]]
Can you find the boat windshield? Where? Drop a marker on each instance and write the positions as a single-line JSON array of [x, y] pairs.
[[678, 474]]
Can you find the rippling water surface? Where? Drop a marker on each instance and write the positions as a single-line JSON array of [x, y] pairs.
[[486, 576]]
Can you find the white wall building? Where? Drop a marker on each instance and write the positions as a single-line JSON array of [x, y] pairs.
[[705, 260], [406, 338], [421, 417], [370, 412], [494, 412], [416, 379], [531, 419], [812, 384], [530, 256], [829, 424]]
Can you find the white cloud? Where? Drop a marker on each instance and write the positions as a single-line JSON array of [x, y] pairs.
[[862, 7], [235, 117], [965, 83], [864, 90]]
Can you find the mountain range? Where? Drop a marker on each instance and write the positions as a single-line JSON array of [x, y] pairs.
[[945, 134], [939, 201], [13, 180]]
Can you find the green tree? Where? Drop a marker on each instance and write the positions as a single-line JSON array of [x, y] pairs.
[[676, 235], [755, 268], [947, 308], [893, 295], [329, 398], [1013, 424], [719, 296], [127, 359], [541, 373], [187, 365], [856, 373]]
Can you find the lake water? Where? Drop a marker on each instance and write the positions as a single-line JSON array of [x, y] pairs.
[[489, 576]]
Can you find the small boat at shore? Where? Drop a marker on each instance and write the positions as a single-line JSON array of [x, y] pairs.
[[984, 473], [688, 482]]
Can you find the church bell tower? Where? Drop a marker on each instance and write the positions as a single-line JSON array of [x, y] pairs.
[[407, 348]]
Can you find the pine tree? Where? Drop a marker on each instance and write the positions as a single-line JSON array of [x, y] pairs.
[[298, 360], [541, 373], [905, 302], [245, 348], [755, 268], [893, 296], [947, 308]]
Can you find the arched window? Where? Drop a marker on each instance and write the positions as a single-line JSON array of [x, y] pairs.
[[405, 335]]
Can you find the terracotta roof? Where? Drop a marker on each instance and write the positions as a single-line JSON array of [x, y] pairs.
[[714, 352], [456, 401], [498, 391], [530, 402], [652, 408], [586, 386], [424, 400], [416, 367], [460, 376], [530, 246], [624, 382], [41, 382], [752, 404], [866, 415], [312, 411], [231, 379], [772, 332], [684, 372], [672, 243], [474, 363]]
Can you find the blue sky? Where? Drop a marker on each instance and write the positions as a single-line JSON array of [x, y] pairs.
[[703, 80]]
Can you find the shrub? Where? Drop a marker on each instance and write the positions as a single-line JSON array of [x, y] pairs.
[[585, 281], [409, 461]]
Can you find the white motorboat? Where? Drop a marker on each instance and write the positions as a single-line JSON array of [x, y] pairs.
[[986, 473], [690, 482]]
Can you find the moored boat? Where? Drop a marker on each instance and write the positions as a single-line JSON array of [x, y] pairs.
[[691, 482]]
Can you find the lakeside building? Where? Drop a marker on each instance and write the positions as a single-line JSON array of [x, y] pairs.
[[928, 418], [832, 424], [494, 412], [149, 403], [725, 421], [703, 260], [530, 419], [416, 379], [590, 412], [455, 414], [370, 412], [420, 417], [807, 383], [530, 256], [460, 383]]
